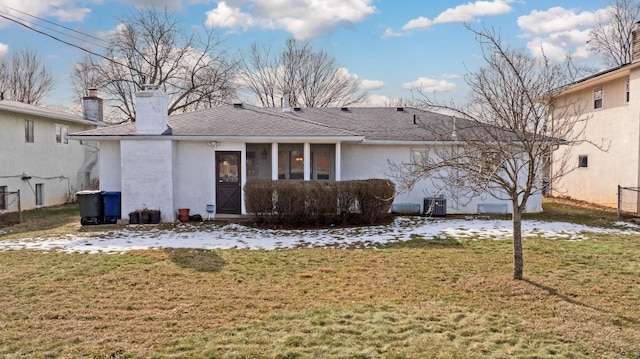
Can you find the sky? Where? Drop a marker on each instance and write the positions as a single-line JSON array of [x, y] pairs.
[[391, 46], [215, 236]]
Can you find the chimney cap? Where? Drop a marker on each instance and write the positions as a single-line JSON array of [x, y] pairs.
[[150, 87]]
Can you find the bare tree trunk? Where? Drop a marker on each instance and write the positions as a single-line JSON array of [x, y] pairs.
[[518, 260]]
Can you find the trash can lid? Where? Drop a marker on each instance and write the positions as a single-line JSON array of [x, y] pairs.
[[87, 191]]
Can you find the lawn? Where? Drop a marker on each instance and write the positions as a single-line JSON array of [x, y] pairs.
[[447, 298]]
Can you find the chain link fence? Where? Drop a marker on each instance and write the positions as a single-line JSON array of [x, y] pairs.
[[628, 201], [10, 209]]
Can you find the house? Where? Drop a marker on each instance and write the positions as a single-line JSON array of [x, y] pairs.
[[37, 158], [609, 100], [190, 160]]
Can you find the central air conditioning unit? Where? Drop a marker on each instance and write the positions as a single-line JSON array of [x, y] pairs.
[[435, 207]]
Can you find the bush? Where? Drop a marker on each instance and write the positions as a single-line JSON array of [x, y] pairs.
[[319, 203]]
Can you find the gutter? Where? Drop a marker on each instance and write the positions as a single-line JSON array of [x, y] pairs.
[[247, 139]]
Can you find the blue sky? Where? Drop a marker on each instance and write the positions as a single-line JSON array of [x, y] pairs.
[[390, 45]]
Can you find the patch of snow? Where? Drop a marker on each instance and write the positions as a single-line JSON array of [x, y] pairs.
[[207, 236]]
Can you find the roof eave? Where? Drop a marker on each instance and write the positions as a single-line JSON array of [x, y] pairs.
[[54, 116], [598, 78]]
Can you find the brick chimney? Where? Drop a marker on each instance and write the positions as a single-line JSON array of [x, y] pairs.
[[151, 111], [635, 43], [92, 106]]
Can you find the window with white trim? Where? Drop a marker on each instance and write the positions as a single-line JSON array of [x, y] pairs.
[[597, 98], [61, 135]]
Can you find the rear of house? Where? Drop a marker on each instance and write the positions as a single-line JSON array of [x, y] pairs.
[[202, 158]]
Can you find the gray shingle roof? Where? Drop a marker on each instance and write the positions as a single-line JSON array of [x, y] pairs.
[[372, 123]]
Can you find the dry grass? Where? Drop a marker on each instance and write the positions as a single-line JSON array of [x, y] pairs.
[[448, 300]]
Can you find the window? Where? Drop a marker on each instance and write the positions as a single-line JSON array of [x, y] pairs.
[[61, 135], [627, 92], [291, 162], [419, 156], [597, 98], [39, 194], [28, 131], [583, 161], [322, 162], [3, 199], [258, 160]]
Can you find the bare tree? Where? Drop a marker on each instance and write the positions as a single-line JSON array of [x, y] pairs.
[[612, 37], [501, 142], [313, 78], [4, 79], [150, 48], [25, 78]]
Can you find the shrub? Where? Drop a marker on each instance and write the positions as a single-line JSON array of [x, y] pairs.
[[319, 203]]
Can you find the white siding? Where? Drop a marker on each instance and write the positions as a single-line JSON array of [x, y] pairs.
[[371, 161], [54, 165]]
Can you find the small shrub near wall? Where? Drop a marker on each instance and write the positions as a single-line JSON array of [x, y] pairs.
[[319, 203]]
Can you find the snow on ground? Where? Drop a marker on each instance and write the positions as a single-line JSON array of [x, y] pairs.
[[211, 236]]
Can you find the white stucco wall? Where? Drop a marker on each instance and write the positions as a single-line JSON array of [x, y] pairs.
[[147, 177], [194, 179], [54, 165], [110, 166], [617, 127], [371, 161]]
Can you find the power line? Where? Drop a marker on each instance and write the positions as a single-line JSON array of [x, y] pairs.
[[53, 23], [6, 16], [31, 24]]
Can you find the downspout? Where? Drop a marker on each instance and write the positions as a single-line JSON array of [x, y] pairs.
[[92, 111], [90, 160]]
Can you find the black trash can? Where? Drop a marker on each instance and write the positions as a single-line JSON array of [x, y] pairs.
[[91, 207], [111, 201]]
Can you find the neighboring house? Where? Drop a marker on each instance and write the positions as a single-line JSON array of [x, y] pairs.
[[609, 102], [205, 157], [37, 158]]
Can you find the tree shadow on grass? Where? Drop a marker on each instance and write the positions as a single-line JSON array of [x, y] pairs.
[[201, 260], [418, 241], [567, 298]]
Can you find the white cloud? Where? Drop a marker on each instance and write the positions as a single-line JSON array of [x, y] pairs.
[[419, 23], [390, 33], [426, 84], [4, 49], [377, 101], [61, 10], [371, 84], [462, 13], [556, 19], [304, 19], [170, 5], [229, 17], [558, 32]]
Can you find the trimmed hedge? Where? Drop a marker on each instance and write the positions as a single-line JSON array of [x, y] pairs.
[[319, 203]]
